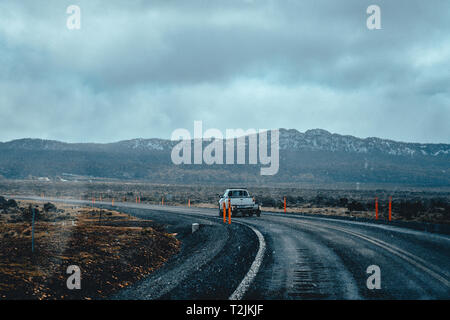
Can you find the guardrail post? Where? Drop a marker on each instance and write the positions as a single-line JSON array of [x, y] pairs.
[[195, 227], [32, 231]]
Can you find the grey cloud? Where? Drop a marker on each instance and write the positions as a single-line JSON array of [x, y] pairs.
[[145, 68]]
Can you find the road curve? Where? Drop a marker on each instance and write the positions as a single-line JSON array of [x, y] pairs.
[[303, 258]]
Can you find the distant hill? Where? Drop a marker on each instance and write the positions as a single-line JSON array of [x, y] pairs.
[[315, 156]]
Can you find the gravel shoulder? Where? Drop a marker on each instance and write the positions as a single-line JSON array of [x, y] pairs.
[[210, 265]]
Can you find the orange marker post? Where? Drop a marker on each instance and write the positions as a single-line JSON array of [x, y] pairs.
[[162, 201], [112, 202], [224, 212], [390, 208], [284, 204], [189, 203], [229, 211], [376, 208]]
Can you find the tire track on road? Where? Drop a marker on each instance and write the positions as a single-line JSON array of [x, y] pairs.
[[407, 256]]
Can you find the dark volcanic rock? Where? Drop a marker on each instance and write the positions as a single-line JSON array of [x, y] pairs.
[[49, 207], [6, 204], [11, 203]]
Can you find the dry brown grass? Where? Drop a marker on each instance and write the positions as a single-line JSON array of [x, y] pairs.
[[112, 251]]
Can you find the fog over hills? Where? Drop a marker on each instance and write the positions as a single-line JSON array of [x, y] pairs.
[[315, 156]]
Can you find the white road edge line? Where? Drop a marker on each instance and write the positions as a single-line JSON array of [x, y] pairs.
[[240, 291]]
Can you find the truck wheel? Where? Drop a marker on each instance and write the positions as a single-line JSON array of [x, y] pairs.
[[258, 213]]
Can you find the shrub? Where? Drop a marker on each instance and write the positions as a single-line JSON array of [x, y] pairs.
[[355, 206]]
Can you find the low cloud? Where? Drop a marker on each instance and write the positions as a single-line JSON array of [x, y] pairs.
[[145, 68]]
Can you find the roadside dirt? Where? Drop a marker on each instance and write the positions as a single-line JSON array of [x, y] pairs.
[[112, 249]]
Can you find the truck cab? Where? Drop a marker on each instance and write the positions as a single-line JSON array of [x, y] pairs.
[[240, 201]]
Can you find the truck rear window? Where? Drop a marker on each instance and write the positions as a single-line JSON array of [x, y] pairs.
[[238, 193]]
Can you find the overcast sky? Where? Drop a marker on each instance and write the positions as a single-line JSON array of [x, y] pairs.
[[145, 68]]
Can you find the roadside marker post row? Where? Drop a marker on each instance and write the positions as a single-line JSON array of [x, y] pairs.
[[376, 207], [390, 208]]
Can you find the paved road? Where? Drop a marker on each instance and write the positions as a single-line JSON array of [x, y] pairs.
[[304, 258]]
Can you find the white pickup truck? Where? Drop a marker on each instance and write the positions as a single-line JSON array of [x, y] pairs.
[[240, 202]]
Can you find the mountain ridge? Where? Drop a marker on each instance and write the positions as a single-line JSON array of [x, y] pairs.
[[290, 139], [315, 156]]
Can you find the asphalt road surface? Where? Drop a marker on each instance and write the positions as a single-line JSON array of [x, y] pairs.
[[286, 256]]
